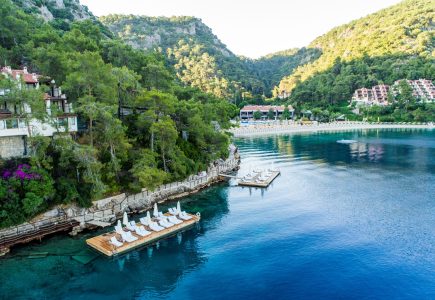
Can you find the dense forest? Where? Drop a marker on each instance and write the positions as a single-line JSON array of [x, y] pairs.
[[178, 80], [203, 61], [171, 131], [377, 48], [392, 44]]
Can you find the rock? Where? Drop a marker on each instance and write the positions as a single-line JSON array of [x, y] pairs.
[[4, 251], [51, 214]]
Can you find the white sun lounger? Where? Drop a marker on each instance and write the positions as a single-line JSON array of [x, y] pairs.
[[128, 237], [130, 226], [155, 227], [115, 242], [144, 221], [118, 230], [140, 230], [184, 216], [174, 220], [165, 223]]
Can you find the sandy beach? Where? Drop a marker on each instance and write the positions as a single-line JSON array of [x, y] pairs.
[[291, 127]]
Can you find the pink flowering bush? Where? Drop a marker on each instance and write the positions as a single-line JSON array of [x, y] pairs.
[[24, 192]]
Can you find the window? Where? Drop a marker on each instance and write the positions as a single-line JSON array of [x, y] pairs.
[[62, 122], [73, 121], [11, 123], [2, 125]]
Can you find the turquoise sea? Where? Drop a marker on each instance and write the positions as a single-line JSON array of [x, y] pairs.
[[342, 221]]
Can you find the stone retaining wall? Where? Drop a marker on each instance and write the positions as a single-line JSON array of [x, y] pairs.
[[109, 209], [11, 146]]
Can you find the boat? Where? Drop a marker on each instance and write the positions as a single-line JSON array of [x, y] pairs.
[[346, 141]]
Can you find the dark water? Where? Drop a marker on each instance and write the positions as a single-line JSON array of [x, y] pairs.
[[343, 221]]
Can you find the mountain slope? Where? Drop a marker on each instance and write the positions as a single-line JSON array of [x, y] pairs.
[[201, 59], [404, 29], [273, 67], [50, 10]]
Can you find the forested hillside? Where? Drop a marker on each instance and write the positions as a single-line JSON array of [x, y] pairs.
[[273, 67], [59, 13], [169, 132], [202, 60], [394, 43]]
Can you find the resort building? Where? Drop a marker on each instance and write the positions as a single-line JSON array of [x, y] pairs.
[[380, 94], [247, 112], [15, 129], [423, 89], [377, 95]]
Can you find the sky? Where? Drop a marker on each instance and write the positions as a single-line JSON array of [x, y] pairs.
[[253, 28]]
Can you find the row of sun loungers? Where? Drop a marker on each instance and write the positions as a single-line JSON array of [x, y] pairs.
[[260, 175], [159, 223]]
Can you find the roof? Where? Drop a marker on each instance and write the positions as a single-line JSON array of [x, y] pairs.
[[265, 108], [4, 114], [24, 74]]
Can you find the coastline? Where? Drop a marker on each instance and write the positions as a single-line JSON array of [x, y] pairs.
[[74, 219], [289, 128]]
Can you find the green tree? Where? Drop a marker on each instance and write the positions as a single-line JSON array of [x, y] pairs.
[[257, 115], [271, 114], [166, 136], [286, 114], [146, 171]]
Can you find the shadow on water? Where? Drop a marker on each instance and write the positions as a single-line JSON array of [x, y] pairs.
[[36, 271]]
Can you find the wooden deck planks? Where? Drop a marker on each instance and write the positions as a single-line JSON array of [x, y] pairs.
[[101, 242], [263, 184]]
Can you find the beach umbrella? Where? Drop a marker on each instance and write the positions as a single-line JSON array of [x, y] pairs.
[[125, 219], [156, 211], [148, 217], [119, 224], [178, 207]]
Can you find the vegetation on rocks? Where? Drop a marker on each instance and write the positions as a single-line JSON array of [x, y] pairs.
[[140, 128]]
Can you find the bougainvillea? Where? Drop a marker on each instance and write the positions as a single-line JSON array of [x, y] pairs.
[[22, 172], [24, 192]]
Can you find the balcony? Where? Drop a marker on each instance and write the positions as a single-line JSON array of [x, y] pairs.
[[13, 127]]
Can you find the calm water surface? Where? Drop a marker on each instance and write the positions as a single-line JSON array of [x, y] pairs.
[[343, 221]]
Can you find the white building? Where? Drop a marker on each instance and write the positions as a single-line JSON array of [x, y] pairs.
[[422, 89], [377, 95], [247, 112], [15, 131]]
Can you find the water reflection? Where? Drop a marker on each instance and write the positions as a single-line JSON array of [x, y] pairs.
[[394, 149], [342, 221], [144, 272]]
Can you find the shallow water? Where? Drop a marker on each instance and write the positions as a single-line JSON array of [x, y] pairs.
[[342, 221]]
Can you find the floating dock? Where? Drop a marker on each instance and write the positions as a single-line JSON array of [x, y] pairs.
[[101, 243], [257, 183]]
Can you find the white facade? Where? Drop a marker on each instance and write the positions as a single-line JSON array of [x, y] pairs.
[[11, 125]]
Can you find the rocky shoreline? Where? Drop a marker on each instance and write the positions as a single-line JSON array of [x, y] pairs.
[[74, 219]]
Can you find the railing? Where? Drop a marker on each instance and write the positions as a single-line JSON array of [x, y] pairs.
[[30, 231]]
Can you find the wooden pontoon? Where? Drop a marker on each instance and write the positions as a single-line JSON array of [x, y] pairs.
[[262, 184], [101, 243]]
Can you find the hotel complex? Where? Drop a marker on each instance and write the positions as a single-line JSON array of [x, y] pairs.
[[247, 112], [423, 90], [15, 129]]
